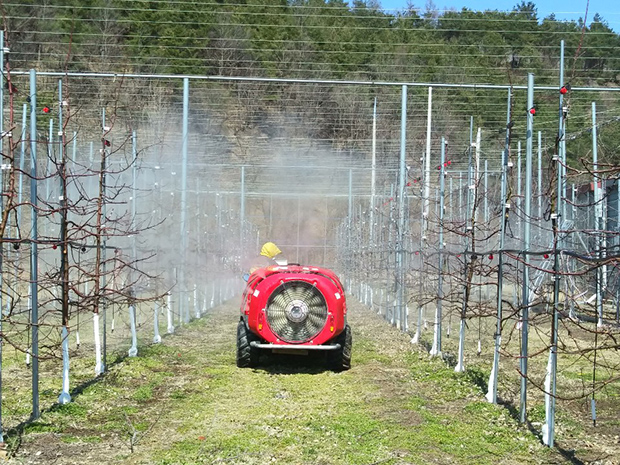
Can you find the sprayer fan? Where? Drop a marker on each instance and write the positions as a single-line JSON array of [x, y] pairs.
[[296, 311]]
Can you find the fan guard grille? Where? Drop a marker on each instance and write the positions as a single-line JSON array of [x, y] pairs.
[[296, 311]]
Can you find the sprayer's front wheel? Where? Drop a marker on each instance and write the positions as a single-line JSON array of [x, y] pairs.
[[340, 360], [247, 356]]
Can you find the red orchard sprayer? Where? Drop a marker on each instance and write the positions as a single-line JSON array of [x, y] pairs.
[[294, 309]]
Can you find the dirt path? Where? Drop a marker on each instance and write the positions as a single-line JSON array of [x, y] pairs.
[[185, 402]]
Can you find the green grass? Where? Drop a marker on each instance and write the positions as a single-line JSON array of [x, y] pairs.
[[88, 439], [42, 427], [185, 402]]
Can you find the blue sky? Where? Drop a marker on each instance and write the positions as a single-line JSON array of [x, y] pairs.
[[563, 9]]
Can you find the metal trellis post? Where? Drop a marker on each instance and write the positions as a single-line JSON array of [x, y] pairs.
[[133, 350], [548, 428], [491, 395], [526, 248], [183, 307], [34, 258], [400, 272], [436, 347], [64, 397]]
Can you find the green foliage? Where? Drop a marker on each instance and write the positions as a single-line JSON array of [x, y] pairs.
[[169, 36], [305, 38], [323, 39]]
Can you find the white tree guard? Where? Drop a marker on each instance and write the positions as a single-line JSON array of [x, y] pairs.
[[212, 295], [133, 350], [547, 429], [186, 311], [65, 397], [156, 336], [490, 395], [435, 347], [406, 322], [418, 330], [28, 354], [196, 306], [99, 367], [460, 366], [169, 313], [77, 333]]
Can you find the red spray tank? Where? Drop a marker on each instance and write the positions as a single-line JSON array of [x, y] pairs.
[[294, 309]]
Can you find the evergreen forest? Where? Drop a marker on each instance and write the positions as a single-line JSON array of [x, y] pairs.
[[329, 40]]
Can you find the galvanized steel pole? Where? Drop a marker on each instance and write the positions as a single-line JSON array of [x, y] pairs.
[[557, 215], [183, 307], [34, 257], [400, 272], [491, 395], [469, 234], [540, 194], [133, 350], [598, 220], [64, 396], [427, 163], [102, 365], [436, 347], [519, 190], [373, 174], [425, 194], [527, 213]]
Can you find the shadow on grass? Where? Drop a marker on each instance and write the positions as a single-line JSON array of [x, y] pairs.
[[479, 378], [568, 454], [427, 346], [13, 436], [476, 376], [285, 364]]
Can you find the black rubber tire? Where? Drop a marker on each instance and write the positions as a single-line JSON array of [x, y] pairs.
[[340, 360], [247, 356]]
